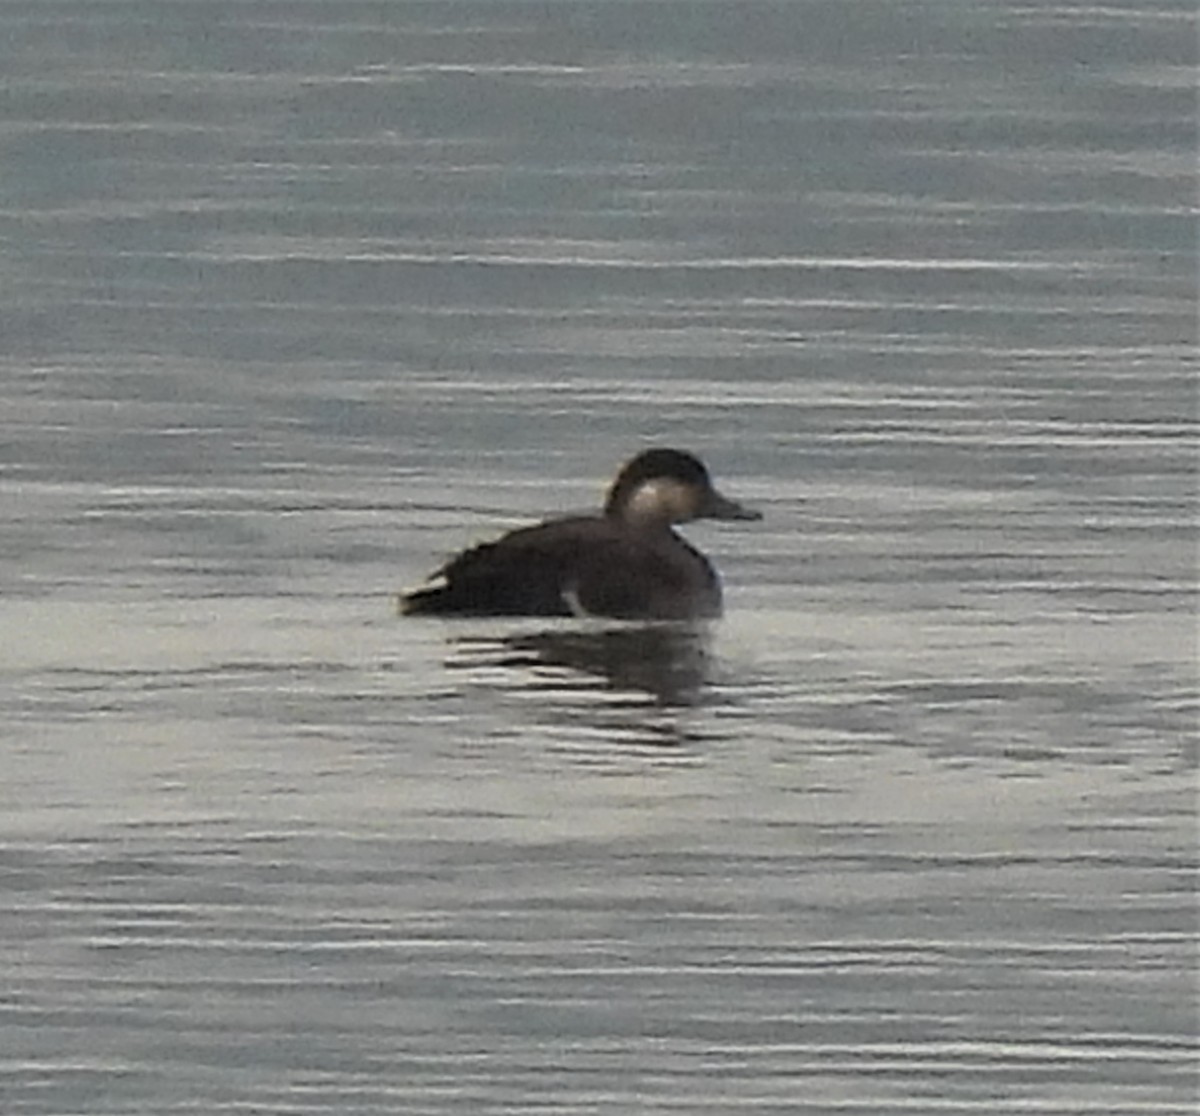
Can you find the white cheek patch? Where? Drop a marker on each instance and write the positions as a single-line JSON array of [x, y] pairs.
[[661, 499]]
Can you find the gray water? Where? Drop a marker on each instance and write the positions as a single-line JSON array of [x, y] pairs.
[[296, 299]]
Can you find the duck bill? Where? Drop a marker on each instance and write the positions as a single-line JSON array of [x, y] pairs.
[[721, 507]]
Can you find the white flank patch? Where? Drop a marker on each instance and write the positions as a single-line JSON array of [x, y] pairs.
[[571, 599]]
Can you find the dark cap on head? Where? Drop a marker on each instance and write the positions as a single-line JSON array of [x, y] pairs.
[[675, 465]]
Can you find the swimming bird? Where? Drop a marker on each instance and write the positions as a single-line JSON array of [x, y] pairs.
[[625, 563]]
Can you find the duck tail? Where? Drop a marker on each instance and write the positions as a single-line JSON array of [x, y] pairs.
[[428, 602]]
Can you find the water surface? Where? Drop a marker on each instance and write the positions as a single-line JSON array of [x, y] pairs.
[[300, 298]]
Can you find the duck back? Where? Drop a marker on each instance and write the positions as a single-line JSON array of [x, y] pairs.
[[578, 566]]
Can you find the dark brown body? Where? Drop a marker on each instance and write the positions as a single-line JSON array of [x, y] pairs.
[[589, 565], [627, 562]]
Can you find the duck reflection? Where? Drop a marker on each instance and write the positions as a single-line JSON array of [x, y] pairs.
[[668, 663]]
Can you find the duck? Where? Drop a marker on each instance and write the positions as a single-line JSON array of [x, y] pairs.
[[626, 563]]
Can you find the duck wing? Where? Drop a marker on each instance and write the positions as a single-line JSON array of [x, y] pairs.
[[584, 566], [524, 573]]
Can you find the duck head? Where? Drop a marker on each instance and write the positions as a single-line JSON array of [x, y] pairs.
[[665, 486]]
